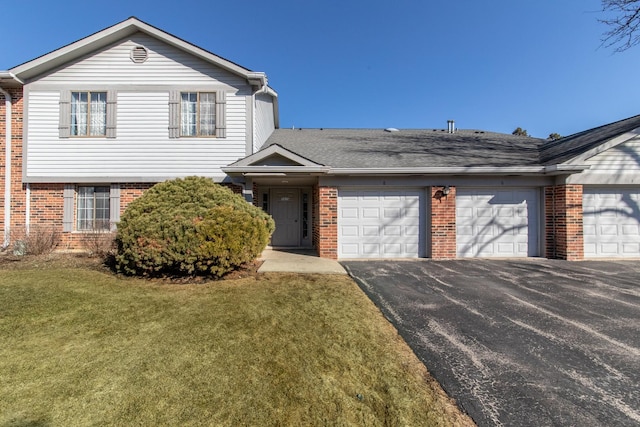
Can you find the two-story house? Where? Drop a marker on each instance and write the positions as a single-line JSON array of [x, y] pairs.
[[87, 128], [97, 122]]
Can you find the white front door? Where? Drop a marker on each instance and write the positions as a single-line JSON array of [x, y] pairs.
[[497, 222], [611, 222], [285, 210], [381, 223]]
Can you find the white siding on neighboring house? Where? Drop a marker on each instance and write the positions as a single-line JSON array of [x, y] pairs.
[[142, 149], [617, 165], [264, 120]]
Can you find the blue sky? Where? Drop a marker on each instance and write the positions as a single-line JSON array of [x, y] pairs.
[[492, 65]]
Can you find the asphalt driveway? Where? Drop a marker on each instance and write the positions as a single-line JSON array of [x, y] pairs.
[[526, 343]]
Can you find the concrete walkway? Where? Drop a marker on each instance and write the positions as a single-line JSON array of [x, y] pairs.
[[297, 261]]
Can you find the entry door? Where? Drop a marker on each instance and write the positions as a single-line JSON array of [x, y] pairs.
[[285, 210]]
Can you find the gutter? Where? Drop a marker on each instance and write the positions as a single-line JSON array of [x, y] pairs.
[[474, 170], [7, 170]]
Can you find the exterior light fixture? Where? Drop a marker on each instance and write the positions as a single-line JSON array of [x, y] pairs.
[[445, 190]]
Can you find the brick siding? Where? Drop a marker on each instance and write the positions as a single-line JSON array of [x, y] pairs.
[[325, 226], [563, 222], [18, 202], [443, 224]]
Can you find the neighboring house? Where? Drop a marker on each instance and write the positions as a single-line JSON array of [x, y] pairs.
[[97, 122]]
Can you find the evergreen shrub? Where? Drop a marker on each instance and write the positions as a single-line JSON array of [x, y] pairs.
[[190, 226]]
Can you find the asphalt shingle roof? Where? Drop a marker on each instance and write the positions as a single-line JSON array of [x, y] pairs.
[[418, 148], [377, 148], [562, 150]]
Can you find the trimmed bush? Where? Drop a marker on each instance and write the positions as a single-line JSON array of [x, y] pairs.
[[190, 226]]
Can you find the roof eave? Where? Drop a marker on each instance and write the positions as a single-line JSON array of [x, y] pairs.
[[273, 170], [467, 170]]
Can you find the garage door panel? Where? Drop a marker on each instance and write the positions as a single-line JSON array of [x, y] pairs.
[[501, 223], [611, 222], [389, 223]]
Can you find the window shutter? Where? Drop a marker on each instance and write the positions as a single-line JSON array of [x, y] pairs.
[[64, 126], [114, 205], [67, 208], [174, 114], [221, 113], [112, 111]]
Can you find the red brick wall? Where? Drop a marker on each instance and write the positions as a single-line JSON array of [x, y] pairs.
[[131, 191], [443, 224], [563, 222], [325, 226], [17, 188]]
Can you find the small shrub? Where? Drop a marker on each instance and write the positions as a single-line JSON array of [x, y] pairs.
[[190, 226], [41, 239], [99, 243]]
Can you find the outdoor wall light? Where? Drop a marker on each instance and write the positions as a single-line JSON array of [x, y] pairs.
[[445, 190]]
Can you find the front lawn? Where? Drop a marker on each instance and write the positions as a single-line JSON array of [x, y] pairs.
[[83, 347]]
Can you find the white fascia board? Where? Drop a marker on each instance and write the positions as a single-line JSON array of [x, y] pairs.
[[621, 139], [474, 170], [261, 170], [249, 162], [111, 35], [564, 169]]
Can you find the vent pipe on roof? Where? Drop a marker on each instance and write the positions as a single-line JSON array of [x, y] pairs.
[[451, 126]]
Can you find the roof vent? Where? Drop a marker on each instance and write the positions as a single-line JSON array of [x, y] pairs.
[[451, 126], [391, 130], [139, 54]]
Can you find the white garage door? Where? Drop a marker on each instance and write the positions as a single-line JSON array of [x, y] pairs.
[[497, 223], [379, 223], [611, 222]]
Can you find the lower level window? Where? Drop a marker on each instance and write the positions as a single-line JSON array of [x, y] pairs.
[[93, 208]]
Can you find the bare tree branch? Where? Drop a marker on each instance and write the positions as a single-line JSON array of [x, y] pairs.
[[624, 24]]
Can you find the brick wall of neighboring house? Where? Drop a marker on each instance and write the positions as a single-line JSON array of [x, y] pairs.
[[325, 226], [443, 224], [563, 222], [17, 188]]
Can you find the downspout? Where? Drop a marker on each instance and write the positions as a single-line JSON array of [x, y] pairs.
[[7, 170]]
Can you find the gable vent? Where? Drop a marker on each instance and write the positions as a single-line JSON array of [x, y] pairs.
[[139, 54]]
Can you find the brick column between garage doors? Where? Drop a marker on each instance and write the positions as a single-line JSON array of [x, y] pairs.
[[443, 223], [563, 222], [327, 243]]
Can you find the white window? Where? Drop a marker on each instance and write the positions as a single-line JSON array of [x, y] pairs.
[[93, 209], [197, 114], [88, 114]]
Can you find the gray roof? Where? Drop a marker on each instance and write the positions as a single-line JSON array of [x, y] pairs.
[[564, 149], [377, 148]]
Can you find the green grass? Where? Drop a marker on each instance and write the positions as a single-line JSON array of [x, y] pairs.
[[83, 347]]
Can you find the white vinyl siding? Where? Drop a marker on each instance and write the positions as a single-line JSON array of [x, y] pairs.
[[142, 147], [619, 165], [113, 66], [381, 223], [611, 222], [497, 222], [264, 120]]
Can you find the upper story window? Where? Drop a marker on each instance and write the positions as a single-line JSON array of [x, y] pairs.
[[198, 114], [88, 114]]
